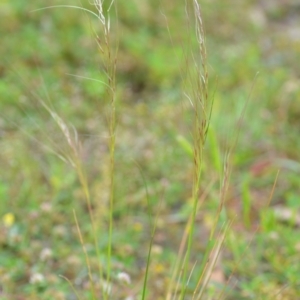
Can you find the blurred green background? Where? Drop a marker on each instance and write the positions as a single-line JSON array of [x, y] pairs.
[[253, 53]]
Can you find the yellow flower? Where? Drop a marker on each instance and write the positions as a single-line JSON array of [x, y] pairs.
[[8, 220], [138, 227], [159, 268]]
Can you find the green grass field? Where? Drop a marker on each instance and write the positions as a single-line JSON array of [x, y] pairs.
[[99, 157]]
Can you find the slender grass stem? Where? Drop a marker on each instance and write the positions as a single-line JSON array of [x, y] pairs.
[[86, 258]]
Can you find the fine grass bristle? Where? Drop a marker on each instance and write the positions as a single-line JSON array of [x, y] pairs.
[[139, 150]]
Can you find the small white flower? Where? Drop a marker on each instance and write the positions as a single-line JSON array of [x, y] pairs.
[[124, 278], [46, 207], [274, 235], [36, 278], [107, 287], [45, 254]]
